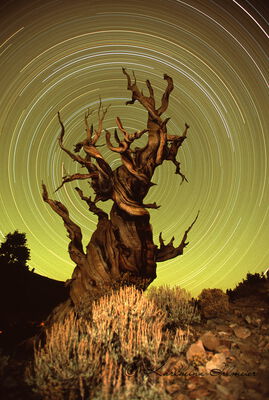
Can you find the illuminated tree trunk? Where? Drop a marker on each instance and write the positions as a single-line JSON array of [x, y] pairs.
[[121, 250]]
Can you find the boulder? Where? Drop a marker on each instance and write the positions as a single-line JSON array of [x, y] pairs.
[[210, 341]]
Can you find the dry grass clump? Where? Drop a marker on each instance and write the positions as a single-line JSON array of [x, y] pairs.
[[176, 302], [116, 385], [69, 358], [213, 303], [82, 359]]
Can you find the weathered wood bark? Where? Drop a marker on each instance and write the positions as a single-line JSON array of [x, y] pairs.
[[121, 250]]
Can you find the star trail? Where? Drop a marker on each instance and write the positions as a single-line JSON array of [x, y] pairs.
[[65, 55]]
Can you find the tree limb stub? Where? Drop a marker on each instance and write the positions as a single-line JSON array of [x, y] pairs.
[[167, 252], [151, 205]]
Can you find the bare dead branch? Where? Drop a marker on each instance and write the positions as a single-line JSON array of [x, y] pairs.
[[123, 145], [79, 159], [165, 123], [89, 144], [151, 93], [176, 142], [165, 98], [128, 162], [160, 151], [74, 232], [129, 137], [70, 178], [89, 130], [145, 101], [116, 136], [101, 116], [167, 252], [92, 206], [151, 205]]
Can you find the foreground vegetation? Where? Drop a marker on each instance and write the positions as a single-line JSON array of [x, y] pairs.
[[111, 355]]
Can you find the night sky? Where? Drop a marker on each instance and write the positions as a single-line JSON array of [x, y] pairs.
[[63, 55]]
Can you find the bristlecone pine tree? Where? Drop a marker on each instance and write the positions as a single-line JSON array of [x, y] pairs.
[[121, 251]]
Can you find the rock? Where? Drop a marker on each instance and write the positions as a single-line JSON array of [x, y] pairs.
[[225, 342], [211, 324], [223, 349], [180, 396], [166, 380], [225, 380], [196, 350], [242, 332], [248, 360], [211, 379], [191, 386], [266, 347], [247, 347], [173, 363], [232, 325], [223, 333], [223, 390], [257, 321], [210, 341], [217, 362], [223, 328], [175, 387], [199, 394], [252, 382], [202, 370], [263, 366]]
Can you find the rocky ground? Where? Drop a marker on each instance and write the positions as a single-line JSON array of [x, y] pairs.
[[235, 347]]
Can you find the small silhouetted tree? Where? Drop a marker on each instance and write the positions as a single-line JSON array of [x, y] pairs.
[[14, 251]]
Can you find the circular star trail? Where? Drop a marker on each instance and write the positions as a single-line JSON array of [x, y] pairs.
[[65, 55]]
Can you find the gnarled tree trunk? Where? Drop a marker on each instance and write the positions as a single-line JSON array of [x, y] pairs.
[[121, 250]]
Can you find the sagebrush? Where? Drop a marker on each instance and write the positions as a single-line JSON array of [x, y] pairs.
[[108, 357]]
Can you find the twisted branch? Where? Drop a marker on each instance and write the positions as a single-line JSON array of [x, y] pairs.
[[92, 206], [176, 142], [147, 102], [165, 98], [70, 178], [74, 232], [167, 252]]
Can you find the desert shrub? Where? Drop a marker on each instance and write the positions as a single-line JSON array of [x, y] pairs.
[[131, 327], [176, 302], [213, 303], [69, 357], [252, 284], [82, 358]]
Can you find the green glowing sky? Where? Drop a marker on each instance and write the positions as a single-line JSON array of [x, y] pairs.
[[63, 55]]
